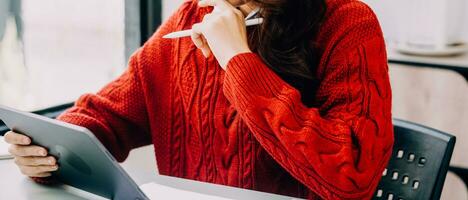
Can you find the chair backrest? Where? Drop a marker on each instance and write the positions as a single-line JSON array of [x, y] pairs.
[[419, 163]]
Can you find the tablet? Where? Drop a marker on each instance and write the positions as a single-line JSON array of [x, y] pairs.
[[84, 162]]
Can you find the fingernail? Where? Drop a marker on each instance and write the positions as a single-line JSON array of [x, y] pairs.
[[26, 140], [43, 153], [51, 161]]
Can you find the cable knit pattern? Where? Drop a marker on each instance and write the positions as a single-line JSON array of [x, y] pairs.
[[246, 127]]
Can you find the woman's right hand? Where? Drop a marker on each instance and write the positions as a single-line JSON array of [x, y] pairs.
[[32, 160]]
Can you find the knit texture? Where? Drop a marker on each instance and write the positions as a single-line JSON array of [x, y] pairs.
[[246, 127]]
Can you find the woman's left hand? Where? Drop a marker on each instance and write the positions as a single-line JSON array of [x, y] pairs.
[[222, 33]]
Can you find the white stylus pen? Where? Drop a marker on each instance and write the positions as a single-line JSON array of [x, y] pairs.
[[187, 33]]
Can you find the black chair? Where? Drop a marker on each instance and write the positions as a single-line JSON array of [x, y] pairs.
[[419, 163], [462, 173]]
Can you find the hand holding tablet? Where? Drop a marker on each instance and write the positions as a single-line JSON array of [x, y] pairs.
[[32, 160], [4, 154], [84, 162]]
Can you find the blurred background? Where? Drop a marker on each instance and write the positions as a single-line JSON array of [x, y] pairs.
[[52, 51]]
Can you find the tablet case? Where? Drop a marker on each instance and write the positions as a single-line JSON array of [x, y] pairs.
[[83, 161]]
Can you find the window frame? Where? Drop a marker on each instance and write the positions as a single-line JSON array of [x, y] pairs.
[[142, 18]]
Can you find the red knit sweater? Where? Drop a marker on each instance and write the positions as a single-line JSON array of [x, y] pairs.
[[246, 127]]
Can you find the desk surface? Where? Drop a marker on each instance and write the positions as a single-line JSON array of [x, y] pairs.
[[15, 186], [459, 61]]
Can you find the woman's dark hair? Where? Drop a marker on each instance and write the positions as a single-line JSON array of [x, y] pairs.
[[286, 41]]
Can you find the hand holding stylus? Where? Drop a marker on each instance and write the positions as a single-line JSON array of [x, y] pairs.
[[188, 33], [222, 33]]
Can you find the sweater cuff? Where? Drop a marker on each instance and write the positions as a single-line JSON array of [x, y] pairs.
[[85, 121], [248, 77]]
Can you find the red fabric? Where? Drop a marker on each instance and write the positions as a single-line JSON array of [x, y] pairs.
[[246, 127]]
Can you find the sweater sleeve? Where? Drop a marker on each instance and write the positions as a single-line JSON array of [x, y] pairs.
[[117, 115], [337, 150]]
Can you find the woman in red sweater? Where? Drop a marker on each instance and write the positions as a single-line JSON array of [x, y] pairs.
[[300, 105]]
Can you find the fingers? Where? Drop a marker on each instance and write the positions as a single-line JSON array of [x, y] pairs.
[[32, 150], [200, 41], [197, 35], [206, 51], [35, 161], [18, 139], [32, 160], [37, 171]]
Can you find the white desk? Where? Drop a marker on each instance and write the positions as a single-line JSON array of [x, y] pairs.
[[457, 63], [15, 186]]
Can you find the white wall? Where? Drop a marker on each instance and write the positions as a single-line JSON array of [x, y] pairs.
[[390, 14]]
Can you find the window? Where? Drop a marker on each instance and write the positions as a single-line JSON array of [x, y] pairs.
[[52, 51]]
